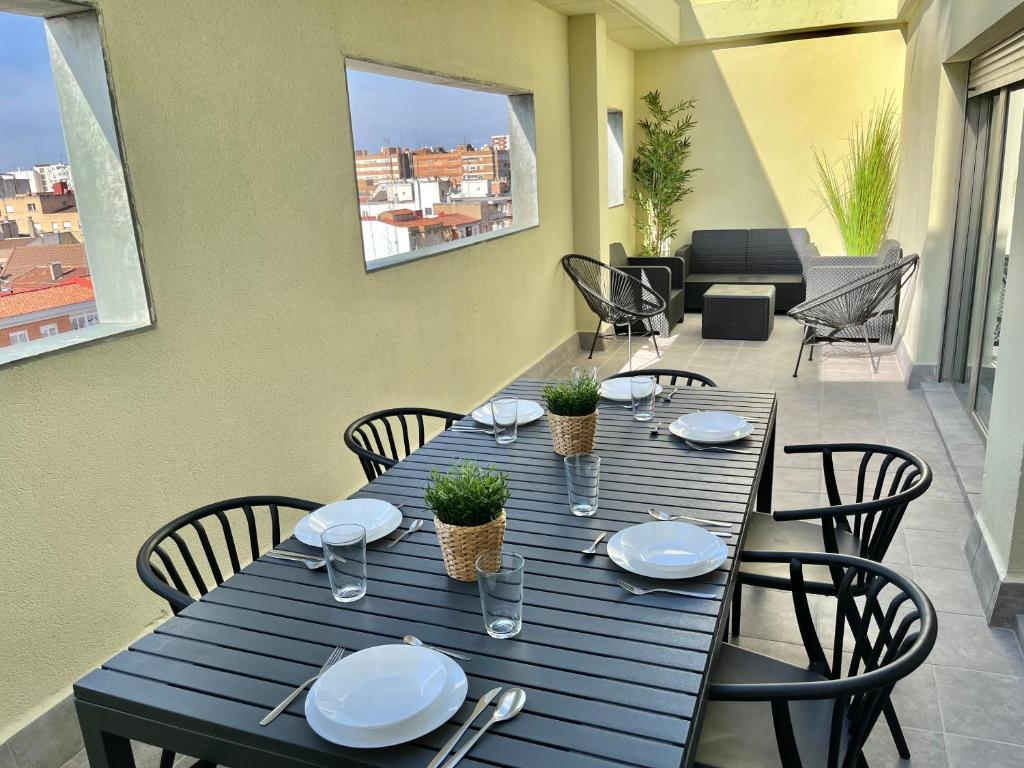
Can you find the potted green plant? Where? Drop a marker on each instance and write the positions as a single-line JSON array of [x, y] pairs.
[[660, 173], [572, 414], [859, 190], [468, 502]]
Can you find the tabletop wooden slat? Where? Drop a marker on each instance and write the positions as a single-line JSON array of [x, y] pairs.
[[611, 678]]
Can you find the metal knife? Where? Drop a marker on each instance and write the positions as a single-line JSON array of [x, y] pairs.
[[481, 705]]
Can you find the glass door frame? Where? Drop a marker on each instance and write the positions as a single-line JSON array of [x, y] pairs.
[[975, 225]]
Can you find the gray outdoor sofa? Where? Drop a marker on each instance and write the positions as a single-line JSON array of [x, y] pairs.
[[741, 256]]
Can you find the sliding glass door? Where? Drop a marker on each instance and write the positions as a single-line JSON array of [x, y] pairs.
[[981, 246]]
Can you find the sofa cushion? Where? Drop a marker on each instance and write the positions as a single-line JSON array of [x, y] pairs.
[[719, 250], [776, 251], [746, 279]]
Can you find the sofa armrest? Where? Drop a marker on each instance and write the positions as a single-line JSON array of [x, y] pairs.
[[675, 264], [684, 252], [658, 278]]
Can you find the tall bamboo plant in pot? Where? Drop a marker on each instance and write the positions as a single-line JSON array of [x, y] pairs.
[[661, 178], [468, 503], [859, 189]]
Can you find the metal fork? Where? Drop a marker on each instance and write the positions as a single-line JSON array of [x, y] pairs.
[[334, 658], [313, 563], [457, 428], [715, 448], [635, 590]]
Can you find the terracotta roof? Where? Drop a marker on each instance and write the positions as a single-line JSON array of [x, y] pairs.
[[444, 220], [76, 291], [40, 277], [27, 257]]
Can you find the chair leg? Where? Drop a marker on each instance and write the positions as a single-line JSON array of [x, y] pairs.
[[167, 759], [897, 732], [871, 357], [654, 337], [594, 342], [629, 346], [737, 605], [800, 354]]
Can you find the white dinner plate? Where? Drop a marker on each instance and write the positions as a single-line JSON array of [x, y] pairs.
[[378, 517], [667, 550], [453, 694], [526, 411], [381, 687], [711, 427], [618, 389]]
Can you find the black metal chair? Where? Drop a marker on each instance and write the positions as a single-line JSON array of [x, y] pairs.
[[193, 553], [671, 377], [615, 297], [850, 307], [820, 715], [384, 438]]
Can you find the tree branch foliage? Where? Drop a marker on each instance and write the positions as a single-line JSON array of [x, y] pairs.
[[659, 169]]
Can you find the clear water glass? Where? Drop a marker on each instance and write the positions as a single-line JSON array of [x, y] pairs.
[[500, 578], [641, 391], [505, 414], [583, 476], [583, 372], [345, 555]]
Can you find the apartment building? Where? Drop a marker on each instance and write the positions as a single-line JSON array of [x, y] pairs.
[[51, 174], [373, 168], [45, 212]]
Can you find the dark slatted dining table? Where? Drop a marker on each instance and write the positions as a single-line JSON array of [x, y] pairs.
[[612, 679]]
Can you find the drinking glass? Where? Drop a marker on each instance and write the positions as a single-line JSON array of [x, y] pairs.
[[584, 372], [583, 475], [345, 555], [500, 578], [641, 390], [505, 415]]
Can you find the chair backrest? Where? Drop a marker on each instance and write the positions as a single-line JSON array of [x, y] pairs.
[[384, 438], [887, 631], [869, 487], [617, 256], [776, 251], [192, 554], [858, 301], [718, 251], [669, 376], [613, 295]]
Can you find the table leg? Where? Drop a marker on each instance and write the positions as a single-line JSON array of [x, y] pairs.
[[764, 488], [105, 750]]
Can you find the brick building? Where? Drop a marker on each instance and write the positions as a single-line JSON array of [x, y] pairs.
[[48, 311], [372, 168]]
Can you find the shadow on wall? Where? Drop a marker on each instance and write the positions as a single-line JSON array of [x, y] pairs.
[[761, 106]]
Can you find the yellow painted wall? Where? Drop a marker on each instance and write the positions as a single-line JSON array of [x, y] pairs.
[[621, 89], [268, 340], [759, 110]]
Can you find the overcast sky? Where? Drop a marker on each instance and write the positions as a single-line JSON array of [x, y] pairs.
[[391, 110], [30, 129]]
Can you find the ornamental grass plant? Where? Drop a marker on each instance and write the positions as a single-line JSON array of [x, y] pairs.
[[572, 398], [859, 190]]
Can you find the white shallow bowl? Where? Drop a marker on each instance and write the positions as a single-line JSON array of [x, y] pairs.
[[451, 698], [711, 427], [378, 517], [618, 389], [526, 411], [667, 550], [381, 687]]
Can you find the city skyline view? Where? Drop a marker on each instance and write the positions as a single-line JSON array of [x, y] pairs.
[[394, 111], [31, 131]]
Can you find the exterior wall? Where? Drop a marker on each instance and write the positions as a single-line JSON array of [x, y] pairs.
[[265, 344], [60, 317], [622, 95], [760, 110]]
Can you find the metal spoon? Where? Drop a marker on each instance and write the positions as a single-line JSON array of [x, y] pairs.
[[413, 527], [592, 549], [668, 398], [659, 515], [655, 428], [696, 447], [509, 705], [415, 641]]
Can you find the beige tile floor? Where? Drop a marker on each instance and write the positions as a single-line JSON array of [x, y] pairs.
[[963, 708]]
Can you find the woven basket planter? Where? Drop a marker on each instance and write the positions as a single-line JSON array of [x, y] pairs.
[[461, 545], [572, 434]]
